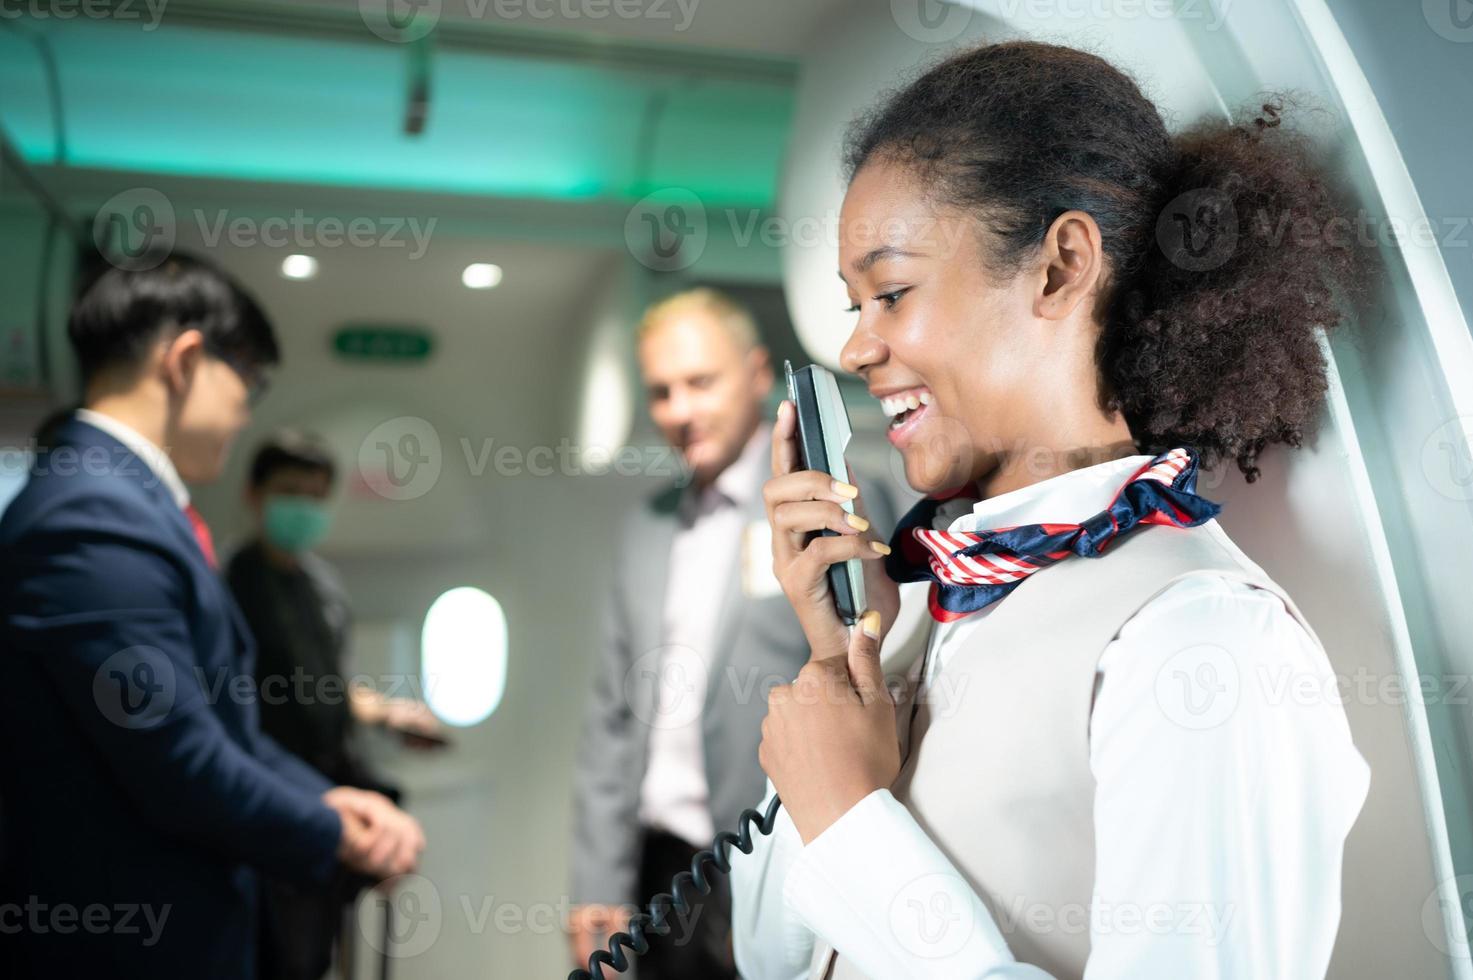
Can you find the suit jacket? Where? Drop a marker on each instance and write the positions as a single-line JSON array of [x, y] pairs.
[[758, 644], [140, 795]]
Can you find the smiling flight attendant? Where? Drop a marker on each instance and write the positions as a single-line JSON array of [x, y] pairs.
[[1061, 747]]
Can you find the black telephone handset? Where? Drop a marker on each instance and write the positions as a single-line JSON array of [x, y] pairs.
[[823, 432]]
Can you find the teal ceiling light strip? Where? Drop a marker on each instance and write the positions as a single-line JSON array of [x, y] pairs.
[[556, 120]]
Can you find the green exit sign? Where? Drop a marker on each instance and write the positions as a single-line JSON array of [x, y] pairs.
[[379, 343]]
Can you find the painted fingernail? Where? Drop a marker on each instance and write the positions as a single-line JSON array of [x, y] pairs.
[[846, 489], [880, 546], [856, 522], [870, 623]]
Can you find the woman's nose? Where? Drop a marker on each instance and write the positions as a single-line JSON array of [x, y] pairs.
[[863, 350]]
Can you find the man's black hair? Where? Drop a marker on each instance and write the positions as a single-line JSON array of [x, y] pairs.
[[124, 312], [288, 449]]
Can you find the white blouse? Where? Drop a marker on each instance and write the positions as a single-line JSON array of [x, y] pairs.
[[1243, 880]]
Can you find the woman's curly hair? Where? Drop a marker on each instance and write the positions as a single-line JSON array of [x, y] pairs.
[[1228, 250]]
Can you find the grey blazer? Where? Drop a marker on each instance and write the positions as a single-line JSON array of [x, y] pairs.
[[759, 645]]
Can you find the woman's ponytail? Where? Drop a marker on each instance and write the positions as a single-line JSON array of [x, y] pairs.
[[1213, 340]]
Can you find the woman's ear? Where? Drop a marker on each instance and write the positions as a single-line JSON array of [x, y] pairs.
[[1073, 259], [181, 361]]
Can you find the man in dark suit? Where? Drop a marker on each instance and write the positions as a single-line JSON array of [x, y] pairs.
[[697, 632], [141, 796]]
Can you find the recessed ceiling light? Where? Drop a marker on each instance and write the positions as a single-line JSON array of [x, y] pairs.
[[481, 275], [299, 267]]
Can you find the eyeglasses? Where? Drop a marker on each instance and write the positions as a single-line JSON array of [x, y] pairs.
[[254, 377]]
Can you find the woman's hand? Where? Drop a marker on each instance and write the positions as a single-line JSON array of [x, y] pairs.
[[829, 740], [800, 502]]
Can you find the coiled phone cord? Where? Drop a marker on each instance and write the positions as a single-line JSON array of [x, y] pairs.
[[660, 906]]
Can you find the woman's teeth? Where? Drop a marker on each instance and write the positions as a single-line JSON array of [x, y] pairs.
[[898, 407]]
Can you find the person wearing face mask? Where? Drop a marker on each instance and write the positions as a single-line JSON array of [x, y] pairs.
[[299, 612], [1082, 769]]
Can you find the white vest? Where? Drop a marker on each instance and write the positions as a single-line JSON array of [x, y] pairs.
[[997, 773]]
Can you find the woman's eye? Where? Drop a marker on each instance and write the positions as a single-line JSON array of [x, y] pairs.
[[890, 299]]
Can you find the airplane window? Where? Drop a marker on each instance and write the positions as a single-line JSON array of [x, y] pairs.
[[463, 655]]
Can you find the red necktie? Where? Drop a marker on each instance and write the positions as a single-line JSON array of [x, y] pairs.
[[202, 534]]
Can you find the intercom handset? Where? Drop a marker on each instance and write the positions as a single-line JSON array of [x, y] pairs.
[[823, 435]]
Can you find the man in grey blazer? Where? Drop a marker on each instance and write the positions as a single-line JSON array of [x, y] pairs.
[[696, 632]]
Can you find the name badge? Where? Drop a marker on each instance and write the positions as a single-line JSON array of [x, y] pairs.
[[758, 582]]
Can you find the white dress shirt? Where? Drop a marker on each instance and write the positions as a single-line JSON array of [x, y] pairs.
[[144, 448], [674, 794], [1243, 882]]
